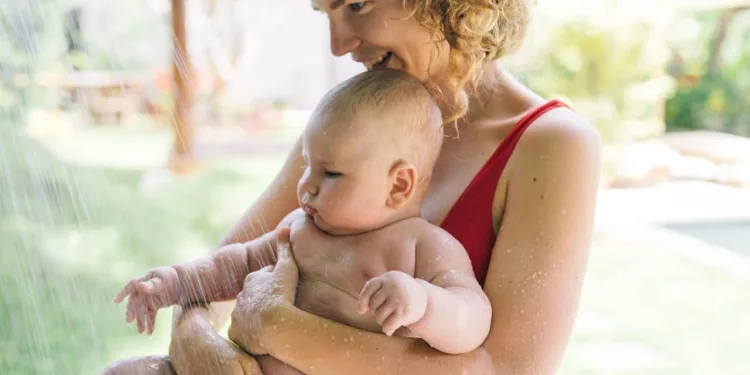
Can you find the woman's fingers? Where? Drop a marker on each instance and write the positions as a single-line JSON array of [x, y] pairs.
[[285, 263], [371, 287], [286, 267]]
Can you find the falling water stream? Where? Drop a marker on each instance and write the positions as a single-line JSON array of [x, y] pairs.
[[73, 232]]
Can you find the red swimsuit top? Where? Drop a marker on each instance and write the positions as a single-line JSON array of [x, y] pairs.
[[470, 218]]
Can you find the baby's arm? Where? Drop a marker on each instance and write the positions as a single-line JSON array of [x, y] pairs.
[[213, 278], [219, 276], [443, 303], [458, 313]]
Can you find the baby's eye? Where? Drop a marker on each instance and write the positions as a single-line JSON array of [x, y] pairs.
[[356, 7], [331, 174]]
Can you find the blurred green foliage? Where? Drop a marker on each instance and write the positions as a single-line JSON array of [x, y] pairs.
[[609, 62], [718, 100]]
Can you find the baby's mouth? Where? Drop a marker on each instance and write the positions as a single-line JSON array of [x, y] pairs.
[[309, 210]]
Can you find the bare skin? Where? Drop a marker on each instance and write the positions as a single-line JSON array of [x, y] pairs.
[[543, 210], [408, 279]]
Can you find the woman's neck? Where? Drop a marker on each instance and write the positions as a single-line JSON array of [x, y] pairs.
[[500, 97]]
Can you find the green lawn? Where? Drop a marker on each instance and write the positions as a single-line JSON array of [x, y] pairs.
[[74, 225]]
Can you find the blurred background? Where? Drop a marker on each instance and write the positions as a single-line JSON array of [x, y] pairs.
[[101, 178]]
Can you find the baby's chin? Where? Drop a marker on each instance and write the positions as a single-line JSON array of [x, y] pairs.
[[334, 230]]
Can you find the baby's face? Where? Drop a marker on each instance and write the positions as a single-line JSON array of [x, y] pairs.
[[346, 184]]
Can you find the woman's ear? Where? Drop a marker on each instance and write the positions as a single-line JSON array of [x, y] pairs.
[[403, 177]]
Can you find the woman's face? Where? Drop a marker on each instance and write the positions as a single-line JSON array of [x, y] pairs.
[[380, 34]]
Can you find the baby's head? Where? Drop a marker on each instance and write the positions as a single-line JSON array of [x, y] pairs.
[[370, 147]]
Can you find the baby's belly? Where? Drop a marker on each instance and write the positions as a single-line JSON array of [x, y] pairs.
[[322, 299]]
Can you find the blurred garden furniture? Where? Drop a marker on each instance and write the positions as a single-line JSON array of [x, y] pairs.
[[101, 95]]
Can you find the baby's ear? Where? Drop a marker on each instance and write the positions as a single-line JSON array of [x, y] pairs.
[[403, 177]]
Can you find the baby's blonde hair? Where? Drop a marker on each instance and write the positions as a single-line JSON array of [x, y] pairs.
[[478, 31], [388, 106]]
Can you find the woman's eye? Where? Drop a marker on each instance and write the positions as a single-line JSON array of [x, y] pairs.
[[331, 174], [356, 7]]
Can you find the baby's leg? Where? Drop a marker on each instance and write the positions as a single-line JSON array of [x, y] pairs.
[[159, 365], [148, 365]]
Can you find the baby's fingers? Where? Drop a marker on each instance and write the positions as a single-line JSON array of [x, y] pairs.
[[130, 313], [370, 288], [384, 312], [150, 321], [392, 323], [127, 290], [151, 286]]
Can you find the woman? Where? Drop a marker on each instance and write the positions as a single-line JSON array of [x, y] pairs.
[[516, 184]]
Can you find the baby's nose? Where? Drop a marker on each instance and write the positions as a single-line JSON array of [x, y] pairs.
[[305, 198]]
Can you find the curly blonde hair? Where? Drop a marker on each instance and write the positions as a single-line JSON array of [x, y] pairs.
[[478, 31]]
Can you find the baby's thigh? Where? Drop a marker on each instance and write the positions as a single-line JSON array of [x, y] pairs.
[[272, 366], [148, 365]]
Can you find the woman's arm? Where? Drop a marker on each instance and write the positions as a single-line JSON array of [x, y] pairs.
[[306, 342], [533, 283], [539, 261]]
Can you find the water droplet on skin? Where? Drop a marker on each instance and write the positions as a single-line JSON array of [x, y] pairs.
[[509, 250], [274, 326]]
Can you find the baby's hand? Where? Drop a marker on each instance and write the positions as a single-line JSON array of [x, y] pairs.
[[158, 288], [395, 298]]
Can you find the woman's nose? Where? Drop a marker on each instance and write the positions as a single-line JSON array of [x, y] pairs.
[[343, 39]]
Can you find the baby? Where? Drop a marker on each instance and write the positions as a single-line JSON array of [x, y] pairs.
[[365, 257]]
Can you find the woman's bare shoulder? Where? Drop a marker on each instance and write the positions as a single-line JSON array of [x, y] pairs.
[[559, 130]]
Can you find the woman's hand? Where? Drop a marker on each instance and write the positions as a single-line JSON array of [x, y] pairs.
[[264, 291], [197, 349]]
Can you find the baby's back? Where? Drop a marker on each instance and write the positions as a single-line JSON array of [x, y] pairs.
[[334, 269]]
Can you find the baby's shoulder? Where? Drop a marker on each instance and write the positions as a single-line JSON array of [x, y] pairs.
[[426, 234]]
